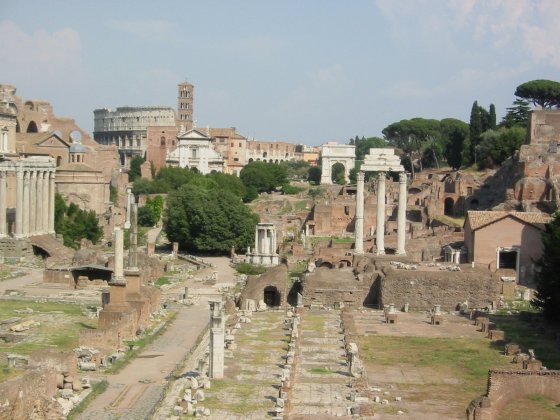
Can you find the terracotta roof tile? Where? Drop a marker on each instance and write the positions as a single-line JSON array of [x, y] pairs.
[[479, 219]]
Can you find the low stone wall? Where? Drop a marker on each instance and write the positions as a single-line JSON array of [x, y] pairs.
[[424, 289], [59, 277], [326, 287], [505, 386]]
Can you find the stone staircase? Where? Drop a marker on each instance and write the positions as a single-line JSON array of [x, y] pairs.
[[58, 253]]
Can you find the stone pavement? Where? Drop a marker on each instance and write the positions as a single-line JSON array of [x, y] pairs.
[[134, 392], [321, 383]]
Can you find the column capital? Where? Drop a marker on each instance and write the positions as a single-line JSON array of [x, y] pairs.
[[381, 174], [403, 177], [360, 176]]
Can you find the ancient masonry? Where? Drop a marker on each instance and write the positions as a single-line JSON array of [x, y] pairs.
[[332, 153], [264, 252], [381, 161]]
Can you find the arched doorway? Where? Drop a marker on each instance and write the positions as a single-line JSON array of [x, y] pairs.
[[474, 204], [271, 296], [338, 173], [32, 127], [448, 206]]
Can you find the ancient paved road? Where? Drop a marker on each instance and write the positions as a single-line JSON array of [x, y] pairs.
[[133, 392]]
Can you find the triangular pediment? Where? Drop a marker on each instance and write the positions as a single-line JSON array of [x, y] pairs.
[[52, 140], [193, 134]]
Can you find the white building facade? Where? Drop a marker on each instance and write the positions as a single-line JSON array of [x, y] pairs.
[[195, 151]]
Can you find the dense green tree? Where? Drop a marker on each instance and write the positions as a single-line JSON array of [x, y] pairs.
[[412, 136], [544, 93], [264, 177], [492, 117], [155, 204], [228, 182], [497, 145], [212, 220], [517, 115], [296, 169], [75, 224], [314, 175], [337, 174], [134, 171], [363, 145], [146, 216], [455, 134], [548, 281], [475, 130]]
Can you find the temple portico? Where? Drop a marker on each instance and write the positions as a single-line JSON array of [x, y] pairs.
[[27, 192], [381, 161], [264, 252]]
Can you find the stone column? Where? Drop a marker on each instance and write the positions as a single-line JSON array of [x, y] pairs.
[[256, 249], [266, 235], [132, 250], [52, 187], [46, 203], [26, 177], [216, 368], [401, 215], [40, 204], [273, 240], [380, 233], [359, 225], [118, 271], [34, 201], [19, 203], [128, 203], [3, 204]]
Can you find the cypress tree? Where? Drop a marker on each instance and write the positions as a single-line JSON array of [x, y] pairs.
[[492, 117], [475, 130]]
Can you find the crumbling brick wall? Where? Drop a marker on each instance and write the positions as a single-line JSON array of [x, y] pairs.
[[424, 289], [505, 386], [326, 287]]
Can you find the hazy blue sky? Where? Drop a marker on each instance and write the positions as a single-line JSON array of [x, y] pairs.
[[300, 71]]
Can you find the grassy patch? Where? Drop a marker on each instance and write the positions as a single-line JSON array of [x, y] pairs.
[[538, 405], [451, 221], [242, 394], [7, 372], [162, 281], [249, 269], [97, 388], [320, 370], [59, 325], [531, 332]]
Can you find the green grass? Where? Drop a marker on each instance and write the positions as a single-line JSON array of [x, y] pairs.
[[530, 331], [97, 389], [453, 221], [538, 405], [7, 372], [162, 281], [242, 394], [320, 370], [61, 332], [249, 269]]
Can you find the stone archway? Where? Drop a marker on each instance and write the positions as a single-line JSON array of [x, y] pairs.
[[332, 153], [271, 296], [32, 127]]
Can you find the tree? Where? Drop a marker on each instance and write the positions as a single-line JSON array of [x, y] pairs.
[[363, 146], [497, 145], [412, 136], [337, 174], [212, 220], [455, 134], [492, 117], [544, 93], [264, 177], [75, 224], [475, 130], [314, 175], [146, 216], [156, 206], [547, 296], [134, 172], [517, 115]]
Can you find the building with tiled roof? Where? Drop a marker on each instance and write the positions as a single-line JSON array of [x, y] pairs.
[[506, 242]]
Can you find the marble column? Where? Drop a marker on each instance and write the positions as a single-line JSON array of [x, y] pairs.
[[46, 203], [256, 249], [52, 187], [380, 233], [128, 203], [401, 215], [216, 366], [40, 204], [33, 202], [118, 270], [26, 180], [19, 203], [359, 225], [266, 249], [3, 204]]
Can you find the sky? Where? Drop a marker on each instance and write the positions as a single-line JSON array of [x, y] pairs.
[[302, 71]]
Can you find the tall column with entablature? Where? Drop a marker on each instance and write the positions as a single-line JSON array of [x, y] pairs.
[[359, 224], [380, 232]]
